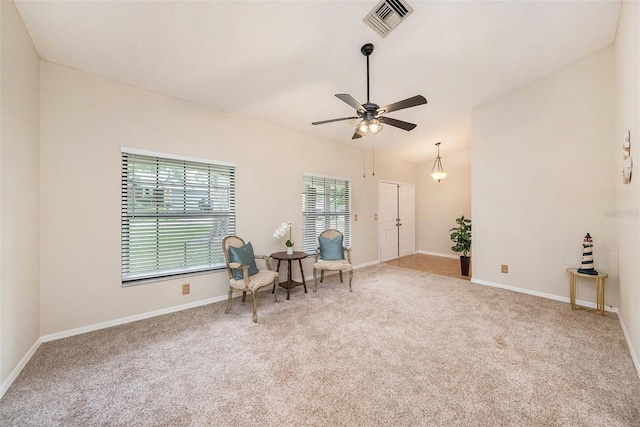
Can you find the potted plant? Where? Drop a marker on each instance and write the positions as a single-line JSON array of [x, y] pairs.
[[281, 231], [461, 237]]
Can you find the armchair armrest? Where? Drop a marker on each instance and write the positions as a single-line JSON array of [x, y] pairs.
[[267, 260], [347, 251], [317, 254], [245, 270]]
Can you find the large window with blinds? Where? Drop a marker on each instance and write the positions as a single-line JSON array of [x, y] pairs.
[[175, 212], [326, 203]]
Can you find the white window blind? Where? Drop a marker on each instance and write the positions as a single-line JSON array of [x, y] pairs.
[[174, 215], [326, 203]]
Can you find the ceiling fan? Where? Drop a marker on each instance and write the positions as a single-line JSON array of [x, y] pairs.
[[370, 113]]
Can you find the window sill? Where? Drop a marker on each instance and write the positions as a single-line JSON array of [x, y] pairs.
[[128, 283]]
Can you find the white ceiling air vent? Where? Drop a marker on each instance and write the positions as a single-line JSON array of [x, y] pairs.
[[387, 15]]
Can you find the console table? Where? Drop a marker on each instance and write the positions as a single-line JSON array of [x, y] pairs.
[[290, 283], [599, 278]]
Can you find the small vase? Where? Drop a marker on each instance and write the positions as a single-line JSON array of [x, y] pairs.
[[289, 250]]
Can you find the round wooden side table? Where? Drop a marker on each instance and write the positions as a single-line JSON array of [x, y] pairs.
[[290, 283]]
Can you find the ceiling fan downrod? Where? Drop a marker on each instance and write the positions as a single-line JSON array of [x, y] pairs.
[[367, 50]]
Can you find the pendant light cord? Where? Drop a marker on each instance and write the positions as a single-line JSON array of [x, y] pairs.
[[364, 164], [373, 153]]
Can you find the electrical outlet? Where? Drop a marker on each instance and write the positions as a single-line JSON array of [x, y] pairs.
[[186, 289], [356, 217], [375, 217], [504, 268]]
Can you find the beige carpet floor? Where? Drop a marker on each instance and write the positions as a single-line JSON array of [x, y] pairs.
[[406, 348]]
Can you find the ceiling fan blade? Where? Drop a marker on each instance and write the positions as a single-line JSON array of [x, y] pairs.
[[401, 105], [356, 135], [397, 123], [333, 120], [350, 100]]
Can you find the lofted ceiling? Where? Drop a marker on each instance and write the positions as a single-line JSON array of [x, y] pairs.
[[281, 62]]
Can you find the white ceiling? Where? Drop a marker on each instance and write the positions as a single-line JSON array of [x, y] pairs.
[[281, 62]]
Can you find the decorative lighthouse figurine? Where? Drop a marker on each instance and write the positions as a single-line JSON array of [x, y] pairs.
[[587, 257]]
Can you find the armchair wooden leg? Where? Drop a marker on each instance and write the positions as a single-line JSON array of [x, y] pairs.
[[275, 289], [244, 296], [254, 297], [341, 281], [350, 278], [315, 279], [229, 301], [321, 275]]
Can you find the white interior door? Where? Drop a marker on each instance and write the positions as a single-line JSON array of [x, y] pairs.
[[388, 214], [406, 214], [397, 220]]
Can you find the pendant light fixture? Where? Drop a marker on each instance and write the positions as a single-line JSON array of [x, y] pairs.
[[437, 172]]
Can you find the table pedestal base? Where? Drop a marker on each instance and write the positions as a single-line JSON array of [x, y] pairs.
[[599, 278], [290, 283]]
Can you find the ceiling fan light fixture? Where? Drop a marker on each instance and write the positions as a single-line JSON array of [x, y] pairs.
[[437, 171], [369, 127]]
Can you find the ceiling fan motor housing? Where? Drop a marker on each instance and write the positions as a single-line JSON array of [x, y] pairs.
[[370, 110]]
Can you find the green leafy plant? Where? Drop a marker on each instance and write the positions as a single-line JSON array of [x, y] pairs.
[[461, 236]]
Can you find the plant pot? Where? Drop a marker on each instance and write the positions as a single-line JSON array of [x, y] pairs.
[[290, 250], [465, 262]]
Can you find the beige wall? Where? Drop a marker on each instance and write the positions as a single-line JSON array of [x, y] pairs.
[[85, 121], [543, 176], [439, 204], [627, 46], [19, 192]]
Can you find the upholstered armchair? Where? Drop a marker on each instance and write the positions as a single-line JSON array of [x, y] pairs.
[[331, 255], [243, 272]]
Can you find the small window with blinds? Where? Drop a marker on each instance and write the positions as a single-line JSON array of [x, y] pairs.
[[326, 203], [175, 212]]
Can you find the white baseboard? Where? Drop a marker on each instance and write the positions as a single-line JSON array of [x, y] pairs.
[[129, 319], [16, 371], [366, 264], [634, 358], [542, 294], [439, 254]]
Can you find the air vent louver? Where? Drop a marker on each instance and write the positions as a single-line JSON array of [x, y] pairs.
[[387, 15]]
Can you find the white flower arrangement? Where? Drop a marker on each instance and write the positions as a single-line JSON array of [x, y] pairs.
[[282, 230]]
